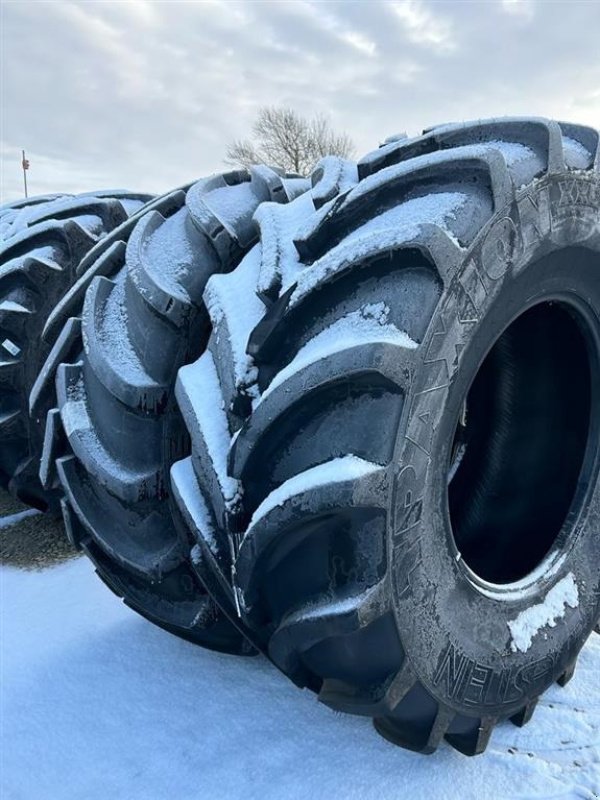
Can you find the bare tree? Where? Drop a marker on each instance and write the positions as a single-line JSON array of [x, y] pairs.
[[283, 138]]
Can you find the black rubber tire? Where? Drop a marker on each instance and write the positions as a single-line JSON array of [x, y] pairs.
[[473, 250], [44, 240], [115, 429]]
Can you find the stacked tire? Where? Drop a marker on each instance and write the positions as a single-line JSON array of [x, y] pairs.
[[44, 240], [353, 424]]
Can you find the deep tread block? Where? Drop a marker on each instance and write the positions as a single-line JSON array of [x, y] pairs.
[[474, 743], [344, 483], [464, 168], [279, 258], [567, 674], [123, 545], [232, 322], [162, 288], [53, 438], [111, 354], [304, 628], [211, 556], [384, 359], [127, 483], [523, 716]]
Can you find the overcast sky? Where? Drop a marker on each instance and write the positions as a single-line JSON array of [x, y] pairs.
[[146, 95]]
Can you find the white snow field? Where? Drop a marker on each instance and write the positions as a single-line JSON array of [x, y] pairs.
[[98, 704]]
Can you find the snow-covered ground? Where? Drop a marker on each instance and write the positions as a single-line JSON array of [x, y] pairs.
[[97, 704]]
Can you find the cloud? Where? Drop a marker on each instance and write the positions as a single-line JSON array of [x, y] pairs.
[[519, 8], [148, 94], [423, 26]]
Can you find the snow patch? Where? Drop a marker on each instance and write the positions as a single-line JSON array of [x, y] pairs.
[[63, 659], [15, 519], [438, 208], [576, 155], [75, 417], [531, 621], [200, 382], [326, 607], [11, 305], [513, 152], [231, 299], [186, 486], [11, 347]]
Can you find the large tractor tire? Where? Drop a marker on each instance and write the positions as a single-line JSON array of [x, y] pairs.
[[414, 497], [136, 316], [43, 243]]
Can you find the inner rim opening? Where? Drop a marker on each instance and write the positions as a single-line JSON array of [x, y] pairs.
[[520, 444]]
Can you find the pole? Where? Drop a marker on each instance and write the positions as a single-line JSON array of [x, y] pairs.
[[25, 165]]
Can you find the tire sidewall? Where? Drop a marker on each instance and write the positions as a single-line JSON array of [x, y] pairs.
[[455, 634]]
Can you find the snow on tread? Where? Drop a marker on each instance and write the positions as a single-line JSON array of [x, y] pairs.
[[234, 309], [330, 478], [331, 177], [279, 259], [196, 389], [186, 488]]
